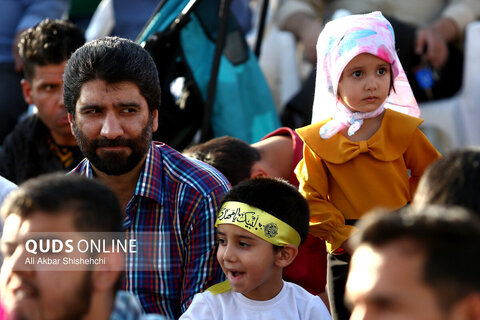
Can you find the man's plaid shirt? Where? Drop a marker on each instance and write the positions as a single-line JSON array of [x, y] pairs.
[[173, 210]]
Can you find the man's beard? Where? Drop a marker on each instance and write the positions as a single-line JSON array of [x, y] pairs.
[[75, 306], [80, 305], [114, 163]]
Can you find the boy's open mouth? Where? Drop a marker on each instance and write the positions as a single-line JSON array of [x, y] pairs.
[[236, 274]]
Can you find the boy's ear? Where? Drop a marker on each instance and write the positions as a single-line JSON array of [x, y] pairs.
[[286, 255]]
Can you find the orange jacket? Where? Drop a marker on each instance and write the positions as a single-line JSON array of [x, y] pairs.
[[342, 179]]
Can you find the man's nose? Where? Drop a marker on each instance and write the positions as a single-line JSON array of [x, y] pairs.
[[111, 127]]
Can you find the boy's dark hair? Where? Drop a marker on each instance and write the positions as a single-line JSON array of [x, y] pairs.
[[48, 42], [95, 207], [231, 156], [112, 60], [276, 197], [448, 237], [453, 179]]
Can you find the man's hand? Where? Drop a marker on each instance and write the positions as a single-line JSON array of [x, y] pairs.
[[432, 41]]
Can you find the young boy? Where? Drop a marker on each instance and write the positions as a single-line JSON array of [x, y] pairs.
[[260, 225]]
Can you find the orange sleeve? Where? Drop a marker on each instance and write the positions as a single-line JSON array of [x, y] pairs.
[[326, 221], [418, 156]]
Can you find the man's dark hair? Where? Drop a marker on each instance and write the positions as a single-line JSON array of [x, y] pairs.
[[112, 60], [448, 238], [48, 42], [276, 197], [231, 156], [94, 205], [453, 179]]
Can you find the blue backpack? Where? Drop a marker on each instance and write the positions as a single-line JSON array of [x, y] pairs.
[[211, 81]]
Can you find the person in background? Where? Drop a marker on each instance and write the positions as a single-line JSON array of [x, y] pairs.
[[453, 179], [416, 264], [64, 208], [17, 16], [112, 94], [429, 39], [43, 142], [275, 155]]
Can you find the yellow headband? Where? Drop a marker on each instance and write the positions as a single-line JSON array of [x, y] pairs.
[[258, 222]]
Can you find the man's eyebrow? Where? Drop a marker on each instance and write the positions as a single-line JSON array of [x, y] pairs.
[[49, 83], [128, 104], [89, 106]]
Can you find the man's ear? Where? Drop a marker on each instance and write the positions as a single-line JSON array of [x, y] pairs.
[[155, 120], [27, 91], [70, 120], [106, 275], [468, 308], [286, 255]]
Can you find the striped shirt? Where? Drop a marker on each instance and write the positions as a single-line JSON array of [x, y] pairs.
[[127, 307], [172, 215]]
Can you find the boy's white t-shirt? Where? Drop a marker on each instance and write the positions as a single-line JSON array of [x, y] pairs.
[[293, 302]]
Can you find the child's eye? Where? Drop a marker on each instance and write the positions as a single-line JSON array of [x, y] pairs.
[[357, 74], [221, 241], [244, 244], [381, 71]]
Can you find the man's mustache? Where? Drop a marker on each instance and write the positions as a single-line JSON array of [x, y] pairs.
[[117, 142]]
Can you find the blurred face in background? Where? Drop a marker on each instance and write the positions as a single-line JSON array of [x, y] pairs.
[[45, 91]]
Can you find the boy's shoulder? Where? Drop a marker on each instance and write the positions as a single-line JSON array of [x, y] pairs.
[[306, 305], [302, 296], [293, 302]]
